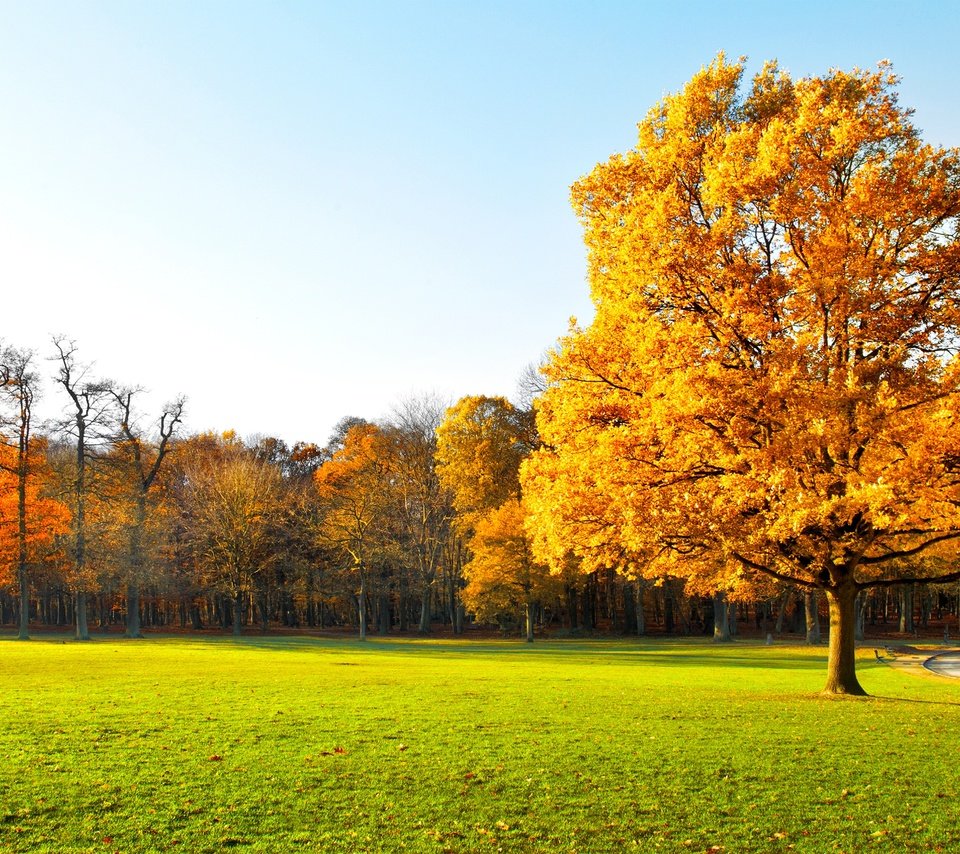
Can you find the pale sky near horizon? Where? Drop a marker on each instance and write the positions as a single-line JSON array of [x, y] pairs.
[[294, 212]]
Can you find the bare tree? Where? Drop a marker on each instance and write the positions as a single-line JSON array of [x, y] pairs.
[[425, 506], [144, 459], [531, 384], [87, 421]]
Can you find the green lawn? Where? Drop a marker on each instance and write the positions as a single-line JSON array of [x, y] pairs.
[[173, 744]]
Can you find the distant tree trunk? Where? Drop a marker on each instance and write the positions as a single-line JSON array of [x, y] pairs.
[[24, 584], [383, 613], [841, 662], [457, 576], [529, 620], [861, 610], [572, 609], [781, 611], [721, 623], [80, 612], [362, 605], [264, 612], [425, 602], [906, 608], [638, 599], [136, 567], [812, 610], [403, 590], [611, 599], [23, 579], [588, 602], [237, 613]]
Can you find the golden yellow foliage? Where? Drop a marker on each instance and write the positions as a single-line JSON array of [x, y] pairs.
[[480, 445], [502, 576], [770, 380]]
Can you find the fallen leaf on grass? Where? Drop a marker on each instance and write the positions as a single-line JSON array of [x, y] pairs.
[[215, 758]]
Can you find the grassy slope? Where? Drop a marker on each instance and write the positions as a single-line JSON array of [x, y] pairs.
[[197, 745]]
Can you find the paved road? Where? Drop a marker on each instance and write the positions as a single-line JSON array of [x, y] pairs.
[[947, 664]]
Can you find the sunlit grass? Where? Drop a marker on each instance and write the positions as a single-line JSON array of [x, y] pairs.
[[326, 745]]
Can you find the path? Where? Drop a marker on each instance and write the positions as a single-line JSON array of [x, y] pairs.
[[945, 664]]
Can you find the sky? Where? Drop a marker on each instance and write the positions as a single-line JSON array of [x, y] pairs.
[[296, 212]]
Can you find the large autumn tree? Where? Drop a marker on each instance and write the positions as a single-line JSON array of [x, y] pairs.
[[481, 444], [770, 382], [357, 504]]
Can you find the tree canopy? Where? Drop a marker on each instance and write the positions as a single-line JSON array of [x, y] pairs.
[[769, 384]]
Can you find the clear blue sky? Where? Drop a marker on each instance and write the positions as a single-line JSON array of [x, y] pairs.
[[293, 212]]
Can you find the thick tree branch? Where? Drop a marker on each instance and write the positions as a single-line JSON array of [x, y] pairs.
[[780, 576], [895, 555]]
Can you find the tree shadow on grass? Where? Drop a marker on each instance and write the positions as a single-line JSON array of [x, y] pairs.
[[899, 700]]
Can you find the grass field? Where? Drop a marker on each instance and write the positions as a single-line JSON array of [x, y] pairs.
[[173, 744]]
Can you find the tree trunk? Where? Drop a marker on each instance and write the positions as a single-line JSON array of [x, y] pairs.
[[425, 611], [24, 633], [264, 612], [237, 613], [22, 572], [861, 608], [133, 611], [782, 611], [530, 607], [842, 662], [383, 613], [721, 621], [906, 608], [83, 631], [638, 596], [812, 609], [362, 606]]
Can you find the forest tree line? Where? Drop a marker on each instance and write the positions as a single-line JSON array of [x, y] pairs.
[[111, 519]]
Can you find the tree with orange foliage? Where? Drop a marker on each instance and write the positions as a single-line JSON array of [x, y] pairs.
[[770, 384], [28, 522], [502, 575], [481, 444], [355, 494]]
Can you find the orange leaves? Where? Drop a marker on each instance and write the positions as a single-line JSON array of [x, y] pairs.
[[776, 276], [353, 485], [46, 517]]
